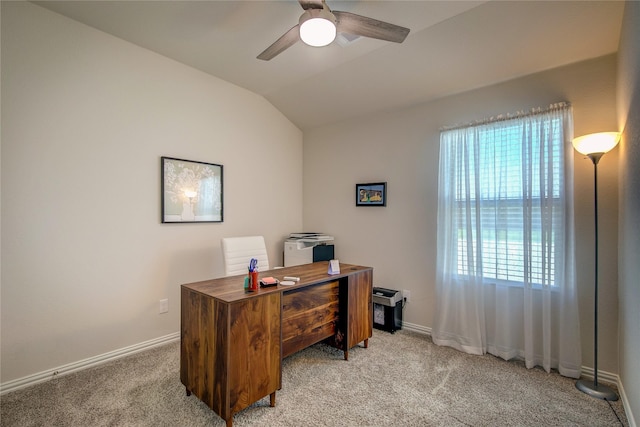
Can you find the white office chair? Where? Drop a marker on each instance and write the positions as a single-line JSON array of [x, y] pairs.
[[238, 251]]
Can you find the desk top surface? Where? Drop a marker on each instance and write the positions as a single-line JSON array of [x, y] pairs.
[[231, 288]]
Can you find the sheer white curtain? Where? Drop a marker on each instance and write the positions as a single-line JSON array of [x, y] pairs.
[[506, 266]]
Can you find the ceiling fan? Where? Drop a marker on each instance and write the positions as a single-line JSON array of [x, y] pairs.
[[318, 26]]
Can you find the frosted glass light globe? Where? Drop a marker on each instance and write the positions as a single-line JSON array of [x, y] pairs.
[[317, 27]]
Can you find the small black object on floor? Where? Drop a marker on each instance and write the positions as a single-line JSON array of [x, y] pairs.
[[387, 309]]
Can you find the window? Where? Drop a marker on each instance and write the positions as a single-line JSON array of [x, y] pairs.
[[507, 202], [505, 278]]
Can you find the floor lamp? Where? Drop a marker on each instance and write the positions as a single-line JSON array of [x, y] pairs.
[[594, 146]]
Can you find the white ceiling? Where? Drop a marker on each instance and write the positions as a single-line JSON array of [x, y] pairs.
[[453, 46]]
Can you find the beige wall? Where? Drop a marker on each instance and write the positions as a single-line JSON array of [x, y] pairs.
[[401, 147], [629, 247], [85, 120]]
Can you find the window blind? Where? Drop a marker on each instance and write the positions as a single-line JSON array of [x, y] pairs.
[[501, 184]]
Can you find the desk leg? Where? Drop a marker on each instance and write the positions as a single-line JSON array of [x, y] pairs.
[[366, 343], [346, 355], [188, 391], [272, 399], [230, 421]]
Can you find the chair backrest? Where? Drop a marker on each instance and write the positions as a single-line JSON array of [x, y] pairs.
[[238, 251]]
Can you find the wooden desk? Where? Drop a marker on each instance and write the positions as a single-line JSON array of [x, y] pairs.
[[232, 341]]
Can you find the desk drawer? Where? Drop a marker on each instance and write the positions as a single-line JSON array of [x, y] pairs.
[[309, 315]]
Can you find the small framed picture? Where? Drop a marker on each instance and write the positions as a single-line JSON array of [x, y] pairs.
[[372, 194], [191, 191]]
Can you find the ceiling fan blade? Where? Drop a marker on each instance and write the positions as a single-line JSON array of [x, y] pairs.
[[351, 23], [287, 40], [311, 4]]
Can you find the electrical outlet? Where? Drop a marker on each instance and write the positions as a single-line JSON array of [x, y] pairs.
[[164, 306], [406, 294]]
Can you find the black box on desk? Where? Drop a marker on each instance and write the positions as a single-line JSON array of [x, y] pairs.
[[323, 253], [387, 309]]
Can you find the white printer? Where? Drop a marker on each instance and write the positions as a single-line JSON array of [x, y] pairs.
[[305, 248]]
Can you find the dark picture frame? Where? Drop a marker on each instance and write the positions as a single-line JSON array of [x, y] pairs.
[[371, 194], [191, 191]]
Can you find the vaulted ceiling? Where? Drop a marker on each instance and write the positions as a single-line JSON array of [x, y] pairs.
[[453, 46]]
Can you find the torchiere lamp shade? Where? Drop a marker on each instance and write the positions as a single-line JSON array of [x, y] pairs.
[[592, 143]]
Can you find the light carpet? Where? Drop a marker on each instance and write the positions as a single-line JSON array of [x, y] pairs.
[[402, 379]]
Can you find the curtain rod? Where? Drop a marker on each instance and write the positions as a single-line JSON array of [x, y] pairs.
[[504, 117]]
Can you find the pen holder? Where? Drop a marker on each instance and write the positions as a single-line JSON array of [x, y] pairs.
[[253, 281]]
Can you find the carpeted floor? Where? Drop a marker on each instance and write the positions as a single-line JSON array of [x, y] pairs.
[[402, 379]]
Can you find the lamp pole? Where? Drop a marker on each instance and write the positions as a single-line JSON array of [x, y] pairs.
[[592, 388]]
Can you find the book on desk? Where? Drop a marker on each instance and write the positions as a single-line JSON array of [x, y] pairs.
[[266, 282]]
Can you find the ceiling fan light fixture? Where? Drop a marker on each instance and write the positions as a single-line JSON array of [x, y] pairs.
[[317, 27]]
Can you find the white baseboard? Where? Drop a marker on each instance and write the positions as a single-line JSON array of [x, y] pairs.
[[613, 379], [627, 405], [416, 328], [586, 372], [49, 374], [605, 376]]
